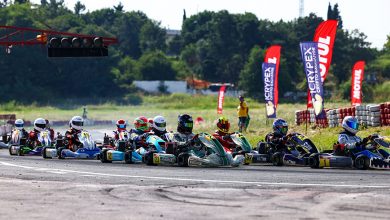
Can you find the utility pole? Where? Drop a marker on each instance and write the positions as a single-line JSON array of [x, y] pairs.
[[301, 8]]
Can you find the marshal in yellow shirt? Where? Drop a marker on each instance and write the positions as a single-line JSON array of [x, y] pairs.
[[242, 110]]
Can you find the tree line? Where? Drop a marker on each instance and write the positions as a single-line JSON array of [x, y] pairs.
[[214, 46]]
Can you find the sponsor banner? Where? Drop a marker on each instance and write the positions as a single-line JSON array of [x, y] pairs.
[[310, 59], [325, 36], [269, 71], [221, 97], [273, 56], [356, 83]]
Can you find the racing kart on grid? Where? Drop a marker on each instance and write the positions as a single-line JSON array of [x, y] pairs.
[[204, 150], [19, 146], [85, 149], [372, 155], [296, 151], [149, 153], [244, 148]]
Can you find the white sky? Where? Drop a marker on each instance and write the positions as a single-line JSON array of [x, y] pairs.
[[370, 17]]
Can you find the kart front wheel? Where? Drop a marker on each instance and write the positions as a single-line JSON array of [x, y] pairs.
[[129, 157], [314, 161], [149, 158], [10, 151], [103, 156], [362, 162], [44, 155], [182, 159], [277, 159], [59, 153]]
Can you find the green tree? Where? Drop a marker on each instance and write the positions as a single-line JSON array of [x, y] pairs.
[[152, 37], [156, 66], [79, 8]]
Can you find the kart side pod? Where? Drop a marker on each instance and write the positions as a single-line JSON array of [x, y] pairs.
[[322, 160]]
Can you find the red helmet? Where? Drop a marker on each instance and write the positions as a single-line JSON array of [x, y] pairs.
[[141, 123], [223, 125], [121, 125]]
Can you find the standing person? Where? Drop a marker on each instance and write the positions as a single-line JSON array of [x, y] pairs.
[[243, 114]]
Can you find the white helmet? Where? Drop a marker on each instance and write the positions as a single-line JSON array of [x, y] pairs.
[[39, 124], [76, 122], [350, 124], [159, 123], [19, 123]]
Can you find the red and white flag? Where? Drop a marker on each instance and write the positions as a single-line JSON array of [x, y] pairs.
[[273, 56], [356, 84], [221, 96], [325, 35]]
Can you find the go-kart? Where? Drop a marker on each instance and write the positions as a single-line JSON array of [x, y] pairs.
[[86, 149], [295, 151], [18, 146], [373, 155], [153, 153], [244, 147], [204, 150]]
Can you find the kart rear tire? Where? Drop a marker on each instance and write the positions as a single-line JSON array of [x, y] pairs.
[[314, 161], [362, 162], [59, 153], [10, 151], [103, 156], [277, 159], [129, 157], [149, 158], [182, 159]]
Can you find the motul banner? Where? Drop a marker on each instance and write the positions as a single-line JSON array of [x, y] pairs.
[[310, 58], [221, 97], [325, 36], [273, 56], [356, 84], [269, 78]]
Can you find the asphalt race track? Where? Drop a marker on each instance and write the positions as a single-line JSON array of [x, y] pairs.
[[35, 188]]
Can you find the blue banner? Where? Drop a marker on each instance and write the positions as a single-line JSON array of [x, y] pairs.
[[311, 63], [269, 88]]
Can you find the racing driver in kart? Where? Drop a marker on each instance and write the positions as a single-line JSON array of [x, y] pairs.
[[223, 135], [279, 135], [120, 127], [139, 133], [39, 126], [71, 136], [159, 127]]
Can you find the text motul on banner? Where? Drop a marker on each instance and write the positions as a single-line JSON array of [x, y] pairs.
[[325, 36], [310, 59], [221, 97], [273, 56], [357, 82], [269, 88]]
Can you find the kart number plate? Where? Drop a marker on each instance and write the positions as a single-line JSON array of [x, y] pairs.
[[248, 158], [156, 159], [109, 155]]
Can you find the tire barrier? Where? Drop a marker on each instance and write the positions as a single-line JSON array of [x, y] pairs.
[[373, 115]]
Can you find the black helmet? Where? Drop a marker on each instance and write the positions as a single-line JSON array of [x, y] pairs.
[[280, 126], [185, 123]]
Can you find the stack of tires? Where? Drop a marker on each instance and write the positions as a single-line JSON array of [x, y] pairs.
[[361, 113], [344, 112], [333, 119], [385, 114], [374, 115], [301, 117]]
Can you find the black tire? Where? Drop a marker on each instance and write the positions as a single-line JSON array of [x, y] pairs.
[[182, 159], [149, 158], [59, 153], [10, 151], [362, 162], [44, 153], [129, 157], [277, 159], [262, 147], [314, 161], [103, 156]]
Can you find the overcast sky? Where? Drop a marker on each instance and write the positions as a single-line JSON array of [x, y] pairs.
[[370, 17]]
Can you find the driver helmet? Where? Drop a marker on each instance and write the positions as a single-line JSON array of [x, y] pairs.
[[141, 124], [77, 123], [19, 123], [39, 124], [280, 126], [350, 124], [121, 125], [159, 123], [223, 125], [185, 124]]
